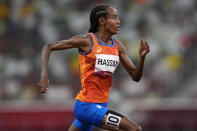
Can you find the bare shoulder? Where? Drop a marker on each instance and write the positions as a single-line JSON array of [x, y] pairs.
[[82, 40], [121, 46]]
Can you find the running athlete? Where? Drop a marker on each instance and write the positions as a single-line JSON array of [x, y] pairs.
[[99, 55]]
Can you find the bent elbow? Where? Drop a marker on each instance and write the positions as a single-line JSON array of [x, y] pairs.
[[48, 47], [136, 79]]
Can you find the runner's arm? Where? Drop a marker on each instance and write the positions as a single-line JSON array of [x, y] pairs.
[[134, 72], [81, 42]]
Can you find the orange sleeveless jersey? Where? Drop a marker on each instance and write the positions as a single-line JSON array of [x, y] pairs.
[[96, 68]]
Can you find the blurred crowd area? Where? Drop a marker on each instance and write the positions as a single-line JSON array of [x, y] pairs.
[[27, 25]]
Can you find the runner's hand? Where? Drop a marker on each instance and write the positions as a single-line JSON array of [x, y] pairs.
[[43, 85], [144, 48]]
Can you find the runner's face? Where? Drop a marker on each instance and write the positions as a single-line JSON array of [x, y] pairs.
[[112, 22]]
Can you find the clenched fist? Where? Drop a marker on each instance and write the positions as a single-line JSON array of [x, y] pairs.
[[144, 48], [43, 85]]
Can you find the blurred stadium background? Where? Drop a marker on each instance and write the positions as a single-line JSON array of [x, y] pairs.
[[165, 98]]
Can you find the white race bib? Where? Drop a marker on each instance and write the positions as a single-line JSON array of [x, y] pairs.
[[106, 64]]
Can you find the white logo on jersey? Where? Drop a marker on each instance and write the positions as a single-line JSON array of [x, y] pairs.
[[99, 49], [116, 51], [106, 63]]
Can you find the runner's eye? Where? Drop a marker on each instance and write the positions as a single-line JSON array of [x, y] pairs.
[[115, 17]]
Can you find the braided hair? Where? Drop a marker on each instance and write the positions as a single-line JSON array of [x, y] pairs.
[[96, 13]]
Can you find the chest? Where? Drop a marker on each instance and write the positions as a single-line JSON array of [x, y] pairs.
[[106, 59]]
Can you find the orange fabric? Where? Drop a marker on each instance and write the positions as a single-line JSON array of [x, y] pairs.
[[94, 88]]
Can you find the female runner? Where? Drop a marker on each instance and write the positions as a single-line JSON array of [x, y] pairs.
[[99, 55]]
